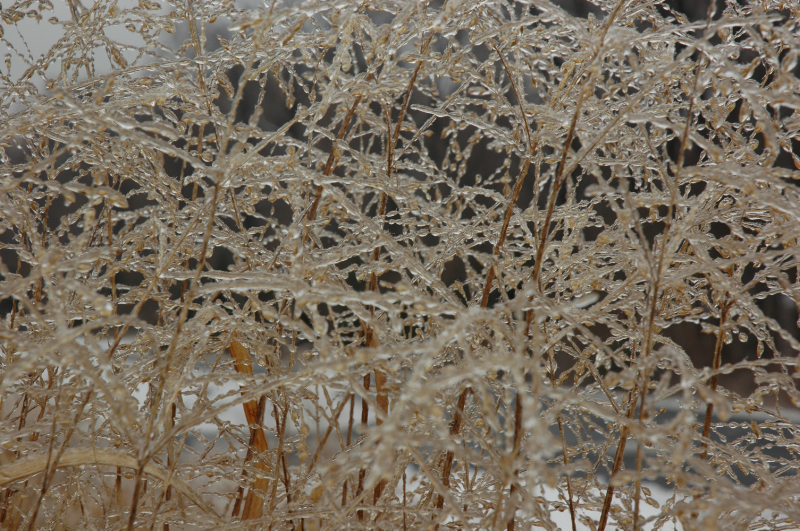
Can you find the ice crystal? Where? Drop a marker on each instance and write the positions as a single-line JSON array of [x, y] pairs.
[[399, 265]]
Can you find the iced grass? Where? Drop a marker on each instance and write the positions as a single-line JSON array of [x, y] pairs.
[[436, 257]]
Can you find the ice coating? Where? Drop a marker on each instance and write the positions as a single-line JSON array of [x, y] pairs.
[[399, 265]]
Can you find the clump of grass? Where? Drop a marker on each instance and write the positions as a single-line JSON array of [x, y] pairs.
[[399, 265]]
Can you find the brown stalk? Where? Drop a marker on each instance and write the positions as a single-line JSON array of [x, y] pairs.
[[8, 494], [280, 421], [563, 445], [184, 315], [639, 96], [198, 51], [324, 438], [558, 181], [626, 431], [52, 462], [274, 493], [24, 411], [201, 265], [517, 441], [222, 151], [254, 411], [175, 249], [330, 164], [712, 383], [455, 428], [656, 286], [33, 438], [349, 434], [404, 502], [559, 178], [171, 461], [114, 298], [364, 419], [382, 396], [512, 201], [639, 457], [623, 439], [569, 480]]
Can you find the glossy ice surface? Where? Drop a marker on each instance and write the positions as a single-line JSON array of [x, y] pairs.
[[399, 265]]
